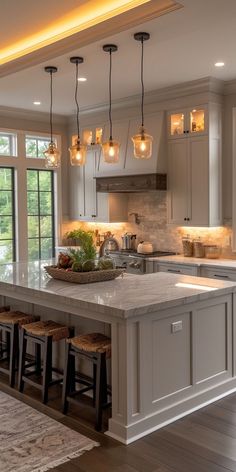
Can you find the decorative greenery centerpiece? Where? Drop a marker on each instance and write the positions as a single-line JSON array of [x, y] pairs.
[[84, 258]]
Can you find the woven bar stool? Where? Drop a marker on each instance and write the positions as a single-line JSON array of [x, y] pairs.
[[96, 348], [9, 324], [42, 334]]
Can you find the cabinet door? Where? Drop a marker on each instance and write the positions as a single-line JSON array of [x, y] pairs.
[[198, 163], [198, 121], [154, 125], [90, 196], [178, 181], [77, 209], [120, 133], [177, 123]]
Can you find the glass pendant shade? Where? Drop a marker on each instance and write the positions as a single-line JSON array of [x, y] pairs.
[[52, 156], [78, 154], [111, 150], [142, 142], [142, 145]]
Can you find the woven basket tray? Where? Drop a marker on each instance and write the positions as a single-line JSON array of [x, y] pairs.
[[83, 277]]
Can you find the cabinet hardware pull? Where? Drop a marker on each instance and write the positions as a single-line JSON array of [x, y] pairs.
[[221, 276], [187, 131], [174, 270], [184, 131], [185, 219]]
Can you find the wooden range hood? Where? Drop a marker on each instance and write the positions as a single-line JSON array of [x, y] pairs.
[[131, 183]]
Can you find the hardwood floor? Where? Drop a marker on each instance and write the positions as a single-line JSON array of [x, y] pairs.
[[204, 441]]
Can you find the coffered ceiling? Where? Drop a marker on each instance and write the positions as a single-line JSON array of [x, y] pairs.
[[184, 46]]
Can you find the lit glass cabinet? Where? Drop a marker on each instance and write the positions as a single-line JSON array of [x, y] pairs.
[[188, 122]]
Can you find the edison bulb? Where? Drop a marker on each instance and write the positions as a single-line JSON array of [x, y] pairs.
[[52, 156], [111, 150], [142, 145], [78, 154]]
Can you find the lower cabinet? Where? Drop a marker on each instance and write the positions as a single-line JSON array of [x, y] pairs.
[[216, 273], [173, 268]]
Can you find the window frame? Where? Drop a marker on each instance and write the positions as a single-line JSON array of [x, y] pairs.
[[39, 215], [13, 216], [20, 163]]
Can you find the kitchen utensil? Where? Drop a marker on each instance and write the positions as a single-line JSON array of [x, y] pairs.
[[128, 241], [145, 247]]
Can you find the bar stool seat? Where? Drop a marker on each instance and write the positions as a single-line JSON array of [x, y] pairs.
[[47, 328], [15, 317], [43, 334], [93, 342], [95, 347], [9, 324]]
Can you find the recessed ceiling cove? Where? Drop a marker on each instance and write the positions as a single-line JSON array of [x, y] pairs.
[[37, 25]]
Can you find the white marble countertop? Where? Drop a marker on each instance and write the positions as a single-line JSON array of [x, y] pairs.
[[123, 298], [195, 261]]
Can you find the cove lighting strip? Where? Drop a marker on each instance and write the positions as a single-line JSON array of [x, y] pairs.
[[80, 19]]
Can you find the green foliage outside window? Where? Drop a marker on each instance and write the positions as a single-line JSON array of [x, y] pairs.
[[40, 214], [6, 215]]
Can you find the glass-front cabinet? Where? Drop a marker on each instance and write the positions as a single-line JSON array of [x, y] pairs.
[[92, 136], [188, 121]]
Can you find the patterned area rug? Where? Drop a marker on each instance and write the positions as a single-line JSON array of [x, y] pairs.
[[33, 442]]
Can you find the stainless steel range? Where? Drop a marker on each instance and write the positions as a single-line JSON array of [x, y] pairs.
[[135, 263]]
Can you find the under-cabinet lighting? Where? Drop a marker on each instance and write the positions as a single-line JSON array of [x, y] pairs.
[[198, 287], [82, 79], [219, 64], [37, 103]]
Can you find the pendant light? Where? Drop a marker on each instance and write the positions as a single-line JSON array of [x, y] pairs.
[[142, 142], [52, 155], [77, 151], [110, 148]]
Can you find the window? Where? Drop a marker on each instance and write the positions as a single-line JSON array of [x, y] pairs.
[[7, 215], [35, 146], [7, 144], [40, 210]]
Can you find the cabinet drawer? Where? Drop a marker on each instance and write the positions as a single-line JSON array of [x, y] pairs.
[[215, 273], [177, 269]]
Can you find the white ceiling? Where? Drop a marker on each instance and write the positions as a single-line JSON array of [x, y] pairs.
[[184, 46]]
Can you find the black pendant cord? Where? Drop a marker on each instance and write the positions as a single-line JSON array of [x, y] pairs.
[[76, 99], [110, 95], [142, 83], [51, 106]]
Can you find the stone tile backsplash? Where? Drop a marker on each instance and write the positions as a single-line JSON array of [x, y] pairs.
[[152, 209]]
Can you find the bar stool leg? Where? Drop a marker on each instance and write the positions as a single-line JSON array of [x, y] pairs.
[[101, 360], [13, 354], [23, 344], [94, 383], [38, 359], [66, 380], [47, 368]]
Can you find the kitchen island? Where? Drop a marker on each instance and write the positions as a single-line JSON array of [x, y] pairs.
[[173, 337]]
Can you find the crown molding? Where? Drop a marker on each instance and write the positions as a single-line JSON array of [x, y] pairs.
[[20, 113], [122, 22], [230, 87], [204, 85]]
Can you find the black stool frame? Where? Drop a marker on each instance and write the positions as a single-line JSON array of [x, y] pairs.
[[43, 343], [10, 350], [98, 384]]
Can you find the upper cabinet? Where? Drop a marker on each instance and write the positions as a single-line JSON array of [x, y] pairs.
[[88, 205], [194, 167], [188, 122]]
